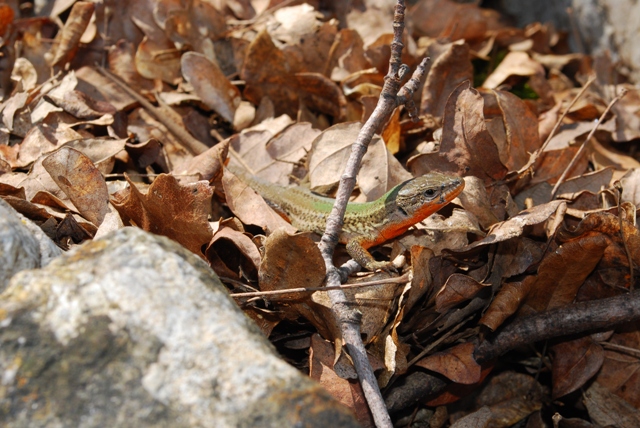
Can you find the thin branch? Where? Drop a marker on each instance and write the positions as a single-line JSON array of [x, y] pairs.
[[187, 140], [398, 280], [578, 318], [621, 213], [621, 349], [584, 144], [435, 343], [534, 157], [348, 318], [600, 314]]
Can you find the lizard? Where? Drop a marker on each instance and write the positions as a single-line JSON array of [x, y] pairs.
[[365, 224]]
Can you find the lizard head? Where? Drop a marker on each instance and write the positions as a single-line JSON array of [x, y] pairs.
[[422, 196]]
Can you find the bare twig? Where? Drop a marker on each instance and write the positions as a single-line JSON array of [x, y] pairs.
[[618, 187], [579, 318], [348, 318], [435, 343], [536, 155], [586, 140], [601, 314], [187, 140], [398, 280]]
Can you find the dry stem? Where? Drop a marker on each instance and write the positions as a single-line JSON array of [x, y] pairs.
[[348, 318]]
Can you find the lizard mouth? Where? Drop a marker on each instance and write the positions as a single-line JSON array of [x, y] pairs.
[[451, 190]]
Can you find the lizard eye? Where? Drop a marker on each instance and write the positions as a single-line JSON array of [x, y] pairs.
[[430, 192]]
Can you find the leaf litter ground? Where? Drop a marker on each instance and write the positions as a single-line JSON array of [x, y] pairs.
[[122, 116]]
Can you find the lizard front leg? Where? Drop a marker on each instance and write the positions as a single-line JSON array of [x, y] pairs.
[[357, 249]]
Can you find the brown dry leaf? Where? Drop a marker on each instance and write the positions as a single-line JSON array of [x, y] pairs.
[[552, 164], [307, 38], [456, 363], [592, 182], [475, 200], [266, 72], [9, 190], [81, 181], [458, 289], [481, 418], [607, 409], [450, 65], [603, 156], [627, 118], [521, 126], [250, 146], [286, 150], [70, 229], [619, 373], [346, 56], [514, 226], [249, 207], [388, 346], [158, 59], [205, 166], [147, 127], [380, 170], [375, 303], [72, 31], [81, 105], [574, 363], [453, 393], [102, 151], [510, 397], [40, 140], [514, 64], [452, 20], [559, 278], [6, 18], [348, 392], [422, 282], [507, 302], [322, 95], [467, 146], [11, 107], [391, 134], [631, 186], [211, 85], [234, 249], [291, 261], [609, 225], [294, 261], [30, 210], [197, 25], [122, 64], [169, 209]]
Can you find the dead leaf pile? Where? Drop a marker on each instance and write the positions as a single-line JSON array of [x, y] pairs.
[[121, 114]]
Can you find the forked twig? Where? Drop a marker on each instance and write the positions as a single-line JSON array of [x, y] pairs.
[[348, 318]]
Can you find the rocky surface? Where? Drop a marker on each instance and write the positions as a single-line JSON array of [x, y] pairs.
[[23, 245], [595, 26], [134, 330]]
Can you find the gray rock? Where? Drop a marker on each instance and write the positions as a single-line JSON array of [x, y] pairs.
[[611, 25], [23, 245], [596, 25], [134, 330]]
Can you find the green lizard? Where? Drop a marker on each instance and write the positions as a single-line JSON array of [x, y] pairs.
[[365, 224]]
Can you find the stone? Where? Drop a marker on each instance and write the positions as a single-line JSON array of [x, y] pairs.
[[134, 330], [23, 245]]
